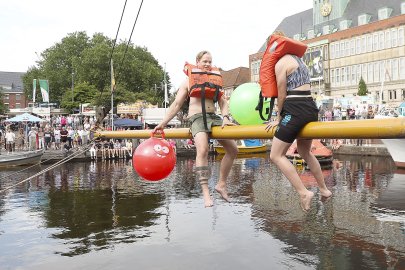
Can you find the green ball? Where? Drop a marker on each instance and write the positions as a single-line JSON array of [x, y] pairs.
[[243, 102]]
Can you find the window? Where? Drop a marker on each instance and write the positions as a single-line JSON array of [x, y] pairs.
[[403, 8], [18, 106], [381, 40], [337, 76], [387, 39], [363, 19], [345, 24], [402, 68], [364, 72], [369, 43], [394, 37], [332, 76], [376, 72], [337, 52], [363, 44], [6, 106], [347, 48], [325, 53], [352, 47], [343, 70], [370, 72], [353, 74], [382, 71], [375, 42], [401, 37], [6, 96], [342, 49], [358, 72], [388, 67], [311, 34], [394, 69], [384, 13], [357, 45], [17, 97]]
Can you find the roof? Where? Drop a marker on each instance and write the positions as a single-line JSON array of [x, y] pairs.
[[235, 77], [303, 21], [11, 81]]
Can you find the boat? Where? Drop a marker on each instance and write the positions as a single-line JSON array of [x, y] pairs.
[[396, 147], [21, 158], [321, 152], [245, 147]]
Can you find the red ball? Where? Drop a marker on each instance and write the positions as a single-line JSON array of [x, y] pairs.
[[154, 159]]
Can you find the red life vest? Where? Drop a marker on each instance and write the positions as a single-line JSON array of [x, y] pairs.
[[203, 84], [277, 47]]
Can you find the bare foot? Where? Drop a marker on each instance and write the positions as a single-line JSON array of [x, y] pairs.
[[222, 191], [207, 201], [306, 201], [325, 193]]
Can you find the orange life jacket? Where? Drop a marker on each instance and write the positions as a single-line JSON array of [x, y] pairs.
[[203, 84], [277, 47]]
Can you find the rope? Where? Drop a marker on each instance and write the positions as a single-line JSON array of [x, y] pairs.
[[62, 161]]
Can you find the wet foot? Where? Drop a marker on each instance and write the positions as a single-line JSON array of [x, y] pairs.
[[306, 201], [208, 201], [222, 191]]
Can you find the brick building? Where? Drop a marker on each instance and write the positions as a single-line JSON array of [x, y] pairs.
[[348, 40], [12, 89]]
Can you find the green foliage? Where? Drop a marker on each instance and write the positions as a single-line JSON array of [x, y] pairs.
[[137, 72], [82, 93], [362, 90]]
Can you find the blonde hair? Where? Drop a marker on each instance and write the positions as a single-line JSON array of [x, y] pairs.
[[201, 54]]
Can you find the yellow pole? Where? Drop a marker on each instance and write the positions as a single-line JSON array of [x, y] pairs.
[[349, 129]]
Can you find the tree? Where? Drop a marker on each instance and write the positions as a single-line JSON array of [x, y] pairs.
[[136, 70], [82, 93], [362, 90]]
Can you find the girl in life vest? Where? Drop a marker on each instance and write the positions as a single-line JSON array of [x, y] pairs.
[[297, 108], [202, 87]]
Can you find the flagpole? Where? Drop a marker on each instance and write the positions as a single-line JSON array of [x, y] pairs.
[[112, 96], [165, 88]]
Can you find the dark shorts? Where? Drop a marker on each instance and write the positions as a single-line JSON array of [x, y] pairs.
[[296, 113]]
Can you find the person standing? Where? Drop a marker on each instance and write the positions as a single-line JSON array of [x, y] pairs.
[[297, 108], [32, 138], [10, 138], [201, 112]]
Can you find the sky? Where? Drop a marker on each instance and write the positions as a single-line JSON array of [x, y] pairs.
[[173, 31]]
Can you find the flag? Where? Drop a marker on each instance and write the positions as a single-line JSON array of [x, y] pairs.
[[112, 78], [44, 85], [34, 89]]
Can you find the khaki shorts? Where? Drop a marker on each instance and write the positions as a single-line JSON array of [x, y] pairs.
[[197, 122]]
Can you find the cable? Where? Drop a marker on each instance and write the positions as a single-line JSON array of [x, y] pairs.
[[130, 37], [116, 36]]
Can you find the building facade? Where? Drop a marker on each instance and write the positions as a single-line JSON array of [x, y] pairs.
[[348, 40], [12, 89]]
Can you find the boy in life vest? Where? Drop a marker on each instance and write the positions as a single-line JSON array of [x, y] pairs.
[[203, 86], [297, 108]]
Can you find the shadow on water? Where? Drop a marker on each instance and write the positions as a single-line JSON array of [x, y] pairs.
[[85, 208]]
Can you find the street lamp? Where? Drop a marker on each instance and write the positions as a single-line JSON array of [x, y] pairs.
[[73, 85]]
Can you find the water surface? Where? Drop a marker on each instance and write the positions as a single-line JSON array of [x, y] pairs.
[[101, 215]]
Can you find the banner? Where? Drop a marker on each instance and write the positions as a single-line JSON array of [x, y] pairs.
[[166, 94], [314, 61], [44, 85], [34, 89]]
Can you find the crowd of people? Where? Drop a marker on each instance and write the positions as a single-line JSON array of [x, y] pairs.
[[65, 133]]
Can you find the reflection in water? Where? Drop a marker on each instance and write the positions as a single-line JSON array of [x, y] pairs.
[[87, 208]]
